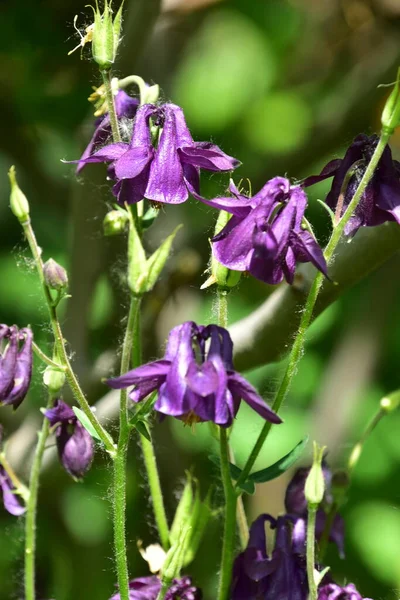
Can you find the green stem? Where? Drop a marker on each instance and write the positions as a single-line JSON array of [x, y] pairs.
[[60, 345], [31, 509], [111, 105], [119, 480], [358, 447], [222, 307], [46, 359], [298, 346], [155, 491], [228, 545], [312, 512]]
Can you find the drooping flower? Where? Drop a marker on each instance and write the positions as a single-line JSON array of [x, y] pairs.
[[280, 576], [125, 108], [335, 592], [74, 443], [11, 501], [380, 201], [148, 588], [265, 235], [161, 162], [195, 380], [15, 364]]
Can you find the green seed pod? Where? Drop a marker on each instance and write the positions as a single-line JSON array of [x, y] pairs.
[[18, 201]]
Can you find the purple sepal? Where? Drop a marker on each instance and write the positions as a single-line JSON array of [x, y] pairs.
[[15, 365], [11, 501]]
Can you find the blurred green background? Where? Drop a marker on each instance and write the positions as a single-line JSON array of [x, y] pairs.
[[283, 86]]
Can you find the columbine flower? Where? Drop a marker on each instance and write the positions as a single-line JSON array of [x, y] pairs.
[[10, 500], [125, 107], [380, 201], [296, 507], [74, 443], [281, 576], [148, 588], [335, 592], [265, 235], [162, 161], [15, 364], [195, 380]]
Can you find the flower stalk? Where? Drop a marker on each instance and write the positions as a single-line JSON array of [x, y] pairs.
[[312, 514], [106, 75], [298, 345]]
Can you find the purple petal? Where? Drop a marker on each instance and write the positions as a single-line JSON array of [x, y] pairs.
[[183, 135], [217, 407], [130, 191], [108, 153], [75, 449], [265, 264], [11, 501], [141, 136], [166, 181], [328, 171], [207, 156], [240, 208], [155, 371], [307, 249], [23, 371], [60, 413], [202, 379], [275, 190], [233, 245], [8, 363], [132, 162], [125, 105], [100, 136], [238, 385]]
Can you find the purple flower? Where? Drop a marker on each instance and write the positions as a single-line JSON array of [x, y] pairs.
[[161, 162], [296, 507], [148, 588], [125, 107], [281, 576], [335, 592], [265, 235], [380, 201], [74, 443], [10, 500], [195, 380], [15, 364]]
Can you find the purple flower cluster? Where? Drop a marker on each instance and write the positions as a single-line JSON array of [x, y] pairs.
[[380, 201], [74, 443], [195, 380], [267, 237], [148, 588], [335, 592], [161, 162], [15, 364]]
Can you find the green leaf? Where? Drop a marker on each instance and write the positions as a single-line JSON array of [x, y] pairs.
[[83, 419], [142, 429], [282, 465], [157, 260]]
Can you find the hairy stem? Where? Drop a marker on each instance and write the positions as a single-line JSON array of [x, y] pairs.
[[131, 340], [228, 545], [111, 105], [298, 346], [31, 509], [312, 512], [60, 344]]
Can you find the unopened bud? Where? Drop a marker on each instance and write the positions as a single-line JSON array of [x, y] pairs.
[[53, 379], [315, 483], [106, 35], [55, 275], [390, 402], [18, 201], [391, 112], [114, 222]]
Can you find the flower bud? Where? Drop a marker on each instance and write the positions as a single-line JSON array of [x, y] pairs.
[[315, 483], [53, 379], [114, 222], [390, 402], [391, 113], [106, 35], [55, 275], [18, 201]]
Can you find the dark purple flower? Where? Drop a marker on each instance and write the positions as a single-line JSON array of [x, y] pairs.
[[148, 588], [125, 107], [15, 364], [296, 507], [380, 201], [11, 501], [281, 576], [74, 443], [161, 162], [265, 235], [335, 592], [195, 380]]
